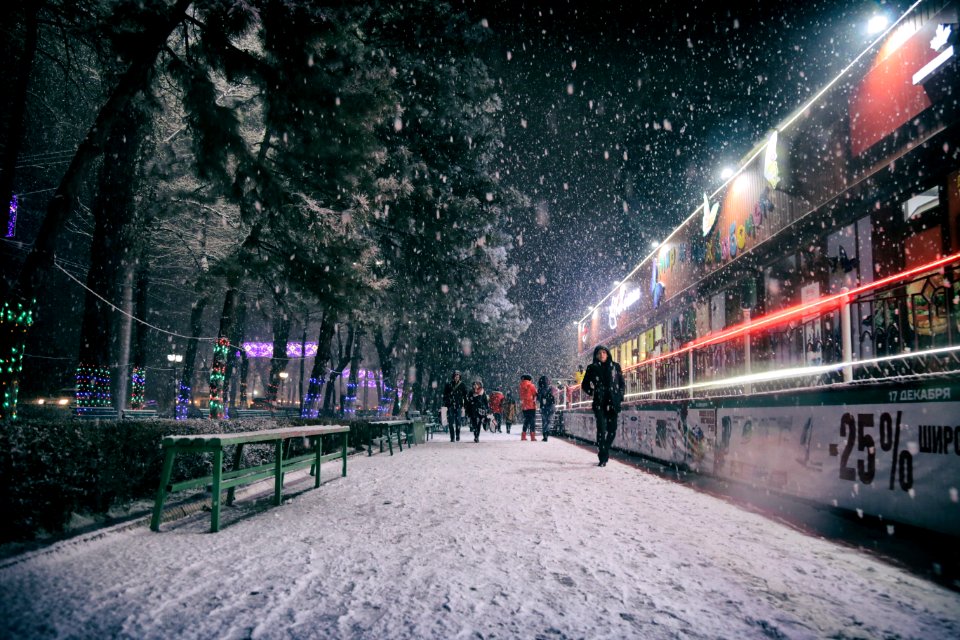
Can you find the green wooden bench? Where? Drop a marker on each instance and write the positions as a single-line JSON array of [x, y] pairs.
[[220, 480], [139, 414], [402, 427], [252, 413]]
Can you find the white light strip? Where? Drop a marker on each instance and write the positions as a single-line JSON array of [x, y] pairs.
[[933, 65], [783, 374], [796, 372], [757, 152]]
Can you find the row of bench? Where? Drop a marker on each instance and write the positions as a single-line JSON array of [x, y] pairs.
[[387, 432]]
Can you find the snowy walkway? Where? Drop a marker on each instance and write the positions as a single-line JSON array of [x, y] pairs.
[[502, 539]]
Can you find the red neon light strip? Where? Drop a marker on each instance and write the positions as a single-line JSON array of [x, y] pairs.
[[805, 308]]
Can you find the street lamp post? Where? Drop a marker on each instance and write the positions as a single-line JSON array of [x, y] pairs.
[[174, 359], [283, 378]]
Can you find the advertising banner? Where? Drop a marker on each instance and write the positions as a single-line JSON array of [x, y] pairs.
[[893, 453]]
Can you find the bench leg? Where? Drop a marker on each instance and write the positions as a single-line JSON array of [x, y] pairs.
[[369, 440], [389, 440], [278, 480], [343, 473], [237, 457], [162, 491], [318, 444], [399, 439], [215, 498]]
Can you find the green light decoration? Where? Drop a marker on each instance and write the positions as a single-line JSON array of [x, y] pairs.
[[218, 374], [15, 320]]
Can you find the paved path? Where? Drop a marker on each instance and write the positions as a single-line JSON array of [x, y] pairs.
[[502, 539]]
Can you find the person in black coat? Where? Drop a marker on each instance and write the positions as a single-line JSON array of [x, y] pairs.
[[603, 381], [455, 399], [478, 407]]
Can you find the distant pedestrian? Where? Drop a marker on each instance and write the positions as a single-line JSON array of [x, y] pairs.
[[509, 410], [496, 409], [478, 408], [528, 404], [603, 381], [454, 399], [547, 398]]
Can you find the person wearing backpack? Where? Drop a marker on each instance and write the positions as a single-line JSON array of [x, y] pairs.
[[547, 397], [509, 410]]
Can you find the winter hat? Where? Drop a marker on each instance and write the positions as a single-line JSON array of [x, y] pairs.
[[527, 376]]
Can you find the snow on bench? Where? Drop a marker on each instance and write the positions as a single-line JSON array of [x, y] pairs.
[[215, 442]]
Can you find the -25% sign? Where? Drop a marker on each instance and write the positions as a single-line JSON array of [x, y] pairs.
[[858, 432]]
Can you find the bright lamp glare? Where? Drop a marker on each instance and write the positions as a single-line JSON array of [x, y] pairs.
[[877, 23], [726, 173]]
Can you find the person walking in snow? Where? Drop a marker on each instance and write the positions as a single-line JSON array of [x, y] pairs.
[[496, 408], [509, 410], [528, 404], [454, 399], [478, 407], [603, 381], [547, 397]]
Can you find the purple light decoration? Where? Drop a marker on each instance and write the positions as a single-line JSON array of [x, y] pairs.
[[12, 221], [265, 349]]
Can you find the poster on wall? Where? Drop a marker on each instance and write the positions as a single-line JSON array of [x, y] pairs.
[[898, 460], [683, 434]]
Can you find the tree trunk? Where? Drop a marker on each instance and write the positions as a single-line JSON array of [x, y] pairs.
[[124, 334], [318, 372], [15, 107], [350, 400], [343, 360], [244, 374], [139, 377], [303, 358], [236, 351], [279, 360], [386, 354], [184, 385], [218, 367], [114, 237]]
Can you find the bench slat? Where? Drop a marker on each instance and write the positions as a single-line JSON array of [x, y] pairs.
[[214, 440]]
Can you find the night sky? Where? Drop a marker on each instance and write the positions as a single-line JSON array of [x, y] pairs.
[[620, 115]]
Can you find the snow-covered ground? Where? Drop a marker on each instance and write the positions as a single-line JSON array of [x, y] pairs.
[[502, 539]]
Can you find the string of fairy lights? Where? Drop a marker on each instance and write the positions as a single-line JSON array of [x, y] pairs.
[[94, 382]]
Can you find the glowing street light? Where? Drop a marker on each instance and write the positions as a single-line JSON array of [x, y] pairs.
[[283, 378], [727, 173], [174, 359], [877, 23]]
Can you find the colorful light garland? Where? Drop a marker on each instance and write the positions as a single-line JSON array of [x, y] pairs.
[[311, 400], [218, 376], [93, 387], [183, 401], [138, 387], [12, 220], [14, 321], [265, 349]]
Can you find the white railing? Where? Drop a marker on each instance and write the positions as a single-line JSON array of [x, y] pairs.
[[902, 327]]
